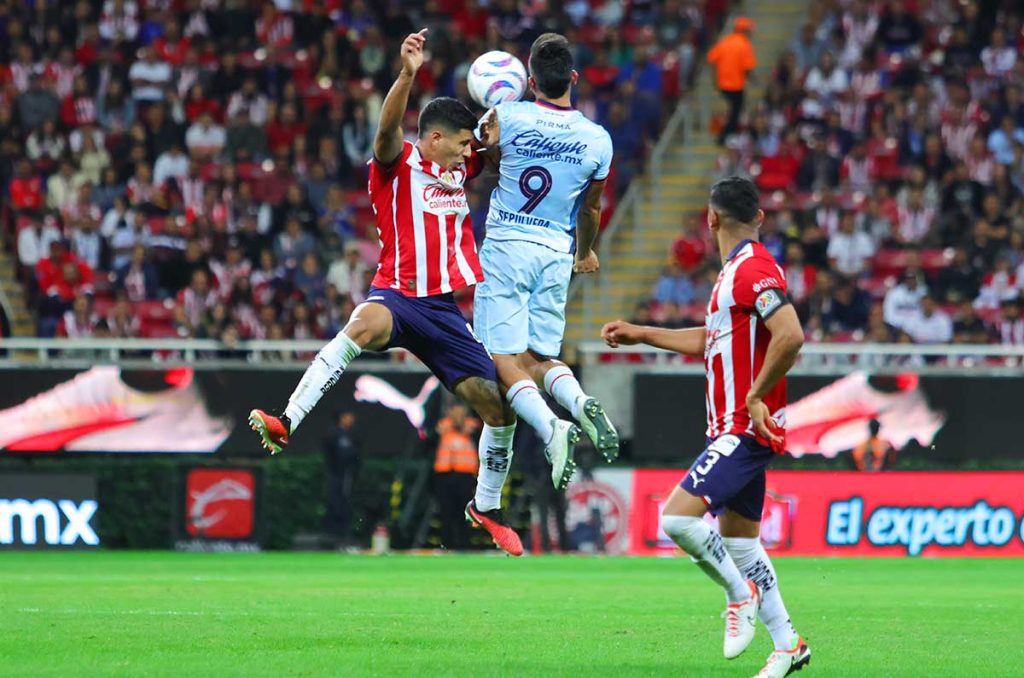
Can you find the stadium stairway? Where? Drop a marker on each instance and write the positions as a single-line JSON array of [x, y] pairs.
[[12, 296], [635, 247]]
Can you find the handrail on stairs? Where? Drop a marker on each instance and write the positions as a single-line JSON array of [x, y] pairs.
[[595, 292], [682, 114]]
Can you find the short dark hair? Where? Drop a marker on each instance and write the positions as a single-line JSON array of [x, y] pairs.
[[737, 197], [551, 64], [451, 115]]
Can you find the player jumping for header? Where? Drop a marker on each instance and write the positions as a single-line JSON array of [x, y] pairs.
[[552, 164], [750, 340], [428, 252]]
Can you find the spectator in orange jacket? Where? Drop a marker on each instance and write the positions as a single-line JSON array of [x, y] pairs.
[[733, 59]]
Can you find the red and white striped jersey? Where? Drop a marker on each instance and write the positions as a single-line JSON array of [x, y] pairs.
[[426, 235], [750, 287]]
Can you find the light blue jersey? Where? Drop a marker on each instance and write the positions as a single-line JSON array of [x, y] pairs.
[[549, 156]]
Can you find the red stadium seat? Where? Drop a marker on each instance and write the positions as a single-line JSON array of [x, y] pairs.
[[889, 262], [153, 310], [877, 286]]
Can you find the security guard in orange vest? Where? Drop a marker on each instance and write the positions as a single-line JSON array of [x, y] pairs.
[[875, 453], [455, 467]]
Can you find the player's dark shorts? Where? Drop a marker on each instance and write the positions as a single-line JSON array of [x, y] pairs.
[[730, 474], [434, 330]]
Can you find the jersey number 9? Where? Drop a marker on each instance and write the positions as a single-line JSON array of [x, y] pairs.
[[535, 184]]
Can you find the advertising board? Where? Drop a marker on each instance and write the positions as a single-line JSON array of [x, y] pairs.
[[845, 513], [56, 511]]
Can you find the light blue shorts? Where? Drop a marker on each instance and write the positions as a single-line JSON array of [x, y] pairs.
[[520, 304]]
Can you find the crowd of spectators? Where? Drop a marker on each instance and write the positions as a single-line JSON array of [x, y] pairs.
[[196, 168], [889, 147]]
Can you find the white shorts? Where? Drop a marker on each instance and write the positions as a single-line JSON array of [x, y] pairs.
[[520, 304]]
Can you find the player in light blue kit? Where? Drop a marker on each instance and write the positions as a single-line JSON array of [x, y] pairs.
[[541, 226]]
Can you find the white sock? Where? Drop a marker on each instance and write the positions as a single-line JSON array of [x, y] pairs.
[[704, 545], [495, 451], [561, 383], [753, 561], [526, 400], [320, 376]]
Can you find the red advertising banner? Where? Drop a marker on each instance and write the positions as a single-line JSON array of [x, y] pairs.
[[845, 513], [220, 503]]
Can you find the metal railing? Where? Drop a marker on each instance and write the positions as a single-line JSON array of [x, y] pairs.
[[24, 352], [838, 358]]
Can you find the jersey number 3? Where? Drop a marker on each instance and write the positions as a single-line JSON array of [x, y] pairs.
[[535, 184]]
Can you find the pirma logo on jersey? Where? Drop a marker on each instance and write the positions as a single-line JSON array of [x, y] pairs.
[[219, 503]]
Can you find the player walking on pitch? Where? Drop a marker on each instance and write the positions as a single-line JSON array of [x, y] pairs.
[[750, 340], [552, 164], [428, 252]]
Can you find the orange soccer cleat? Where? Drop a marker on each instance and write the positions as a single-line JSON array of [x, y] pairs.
[[494, 522], [273, 430]]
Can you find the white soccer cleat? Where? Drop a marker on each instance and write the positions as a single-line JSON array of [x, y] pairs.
[[741, 622], [559, 451], [599, 428], [784, 662]]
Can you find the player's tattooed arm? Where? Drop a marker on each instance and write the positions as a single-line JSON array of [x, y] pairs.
[[588, 223], [689, 341], [387, 144]]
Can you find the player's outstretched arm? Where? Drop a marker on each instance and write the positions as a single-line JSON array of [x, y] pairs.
[[588, 222], [387, 144], [687, 342], [783, 348]]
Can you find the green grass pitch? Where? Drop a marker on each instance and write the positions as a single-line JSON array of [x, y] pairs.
[[110, 613]]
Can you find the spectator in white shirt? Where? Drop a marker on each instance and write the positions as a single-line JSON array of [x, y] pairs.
[[119, 21], [34, 242], [114, 216], [62, 187], [998, 58], [87, 243], [915, 221], [127, 236], [249, 101], [849, 249], [172, 163], [930, 324], [826, 79], [346, 274], [149, 77], [205, 138], [904, 299]]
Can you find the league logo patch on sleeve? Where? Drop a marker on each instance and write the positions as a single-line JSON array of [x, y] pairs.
[[767, 302]]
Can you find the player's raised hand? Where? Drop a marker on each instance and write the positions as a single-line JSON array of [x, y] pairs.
[[490, 129], [764, 425], [412, 52], [620, 333], [588, 264]]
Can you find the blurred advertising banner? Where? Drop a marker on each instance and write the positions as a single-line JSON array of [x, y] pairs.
[[598, 510], [943, 417], [846, 513], [192, 410], [47, 511], [220, 510]]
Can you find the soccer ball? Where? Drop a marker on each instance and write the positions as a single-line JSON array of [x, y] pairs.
[[496, 77]]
